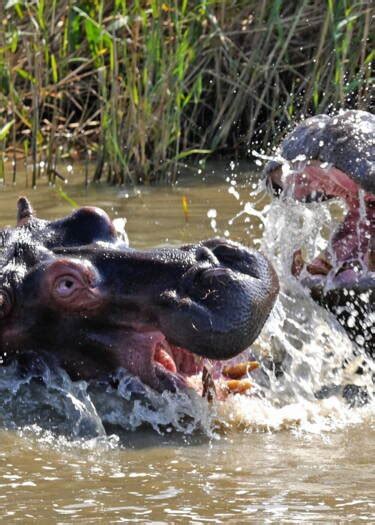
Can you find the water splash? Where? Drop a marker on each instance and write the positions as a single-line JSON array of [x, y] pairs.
[[307, 380], [309, 365], [49, 400]]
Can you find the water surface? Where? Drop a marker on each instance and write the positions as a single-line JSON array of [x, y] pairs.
[[282, 456]]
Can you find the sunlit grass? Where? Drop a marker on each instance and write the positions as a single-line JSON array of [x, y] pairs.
[[141, 86]]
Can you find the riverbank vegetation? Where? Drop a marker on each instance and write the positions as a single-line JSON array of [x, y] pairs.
[[140, 86]]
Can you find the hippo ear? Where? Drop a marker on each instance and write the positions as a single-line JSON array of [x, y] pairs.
[[24, 211]]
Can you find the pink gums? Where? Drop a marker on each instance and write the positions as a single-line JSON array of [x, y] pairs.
[[148, 355], [352, 240]]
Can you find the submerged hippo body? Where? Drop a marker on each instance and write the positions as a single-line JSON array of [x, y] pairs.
[[71, 290], [329, 157]]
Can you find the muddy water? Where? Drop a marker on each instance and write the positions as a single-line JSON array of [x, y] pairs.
[[293, 460]]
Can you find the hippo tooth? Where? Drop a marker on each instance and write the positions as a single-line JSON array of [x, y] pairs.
[[320, 266], [161, 356], [239, 370], [238, 386]]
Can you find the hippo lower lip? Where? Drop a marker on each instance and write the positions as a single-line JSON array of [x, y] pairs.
[[149, 356]]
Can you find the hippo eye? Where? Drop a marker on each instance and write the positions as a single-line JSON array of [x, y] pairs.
[[66, 285], [5, 304]]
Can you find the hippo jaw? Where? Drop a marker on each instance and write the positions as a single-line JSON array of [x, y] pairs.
[[145, 353]]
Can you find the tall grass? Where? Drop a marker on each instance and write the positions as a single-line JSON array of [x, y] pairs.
[[143, 85]]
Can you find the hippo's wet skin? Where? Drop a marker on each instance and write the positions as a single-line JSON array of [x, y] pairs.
[[328, 157], [71, 290]]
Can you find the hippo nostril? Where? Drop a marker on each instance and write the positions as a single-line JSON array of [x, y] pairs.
[[204, 254]]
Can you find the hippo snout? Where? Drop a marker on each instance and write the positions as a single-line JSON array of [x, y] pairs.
[[221, 303]]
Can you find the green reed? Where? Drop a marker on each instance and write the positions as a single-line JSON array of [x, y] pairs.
[[142, 85]]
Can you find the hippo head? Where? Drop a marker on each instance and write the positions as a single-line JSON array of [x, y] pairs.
[[333, 157], [72, 291]]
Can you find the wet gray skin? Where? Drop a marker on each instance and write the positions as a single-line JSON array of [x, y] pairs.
[[69, 289], [323, 158]]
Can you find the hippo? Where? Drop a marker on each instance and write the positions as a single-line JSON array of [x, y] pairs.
[[328, 157], [74, 293]]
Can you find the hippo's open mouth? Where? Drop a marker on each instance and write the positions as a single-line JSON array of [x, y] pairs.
[[350, 250], [171, 368], [328, 157], [147, 354], [163, 366]]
